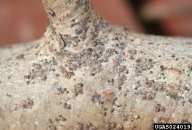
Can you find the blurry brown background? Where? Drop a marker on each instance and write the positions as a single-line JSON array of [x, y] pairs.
[[25, 20]]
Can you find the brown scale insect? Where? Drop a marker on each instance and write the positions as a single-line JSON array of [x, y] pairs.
[[78, 89], [120, 81], [79, 126], [28, 103], [60, 118], [97, 98], [159, 108], [50, 12], [67, 106], [57, 89], [108, 94], [119, 127], [68, 74], [51, 126], [20, 56], [150, 96], [147, 96]]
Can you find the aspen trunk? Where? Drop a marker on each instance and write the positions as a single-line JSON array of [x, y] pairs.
[[87, 74]]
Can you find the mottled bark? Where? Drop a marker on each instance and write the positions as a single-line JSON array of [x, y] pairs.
[[88, 74]]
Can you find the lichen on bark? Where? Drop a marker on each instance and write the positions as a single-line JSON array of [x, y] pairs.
[[86, 73]]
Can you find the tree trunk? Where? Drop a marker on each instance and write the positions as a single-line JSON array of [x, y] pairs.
[[88, 74]]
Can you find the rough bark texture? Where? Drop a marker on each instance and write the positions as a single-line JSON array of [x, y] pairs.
[[87, 74]]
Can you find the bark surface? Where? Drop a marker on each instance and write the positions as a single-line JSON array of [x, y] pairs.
[[87, 74]]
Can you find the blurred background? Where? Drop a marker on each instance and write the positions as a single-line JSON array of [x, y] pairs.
[[25, 20]]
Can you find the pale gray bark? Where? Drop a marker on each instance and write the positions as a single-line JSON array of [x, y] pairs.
[[87, 74]]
